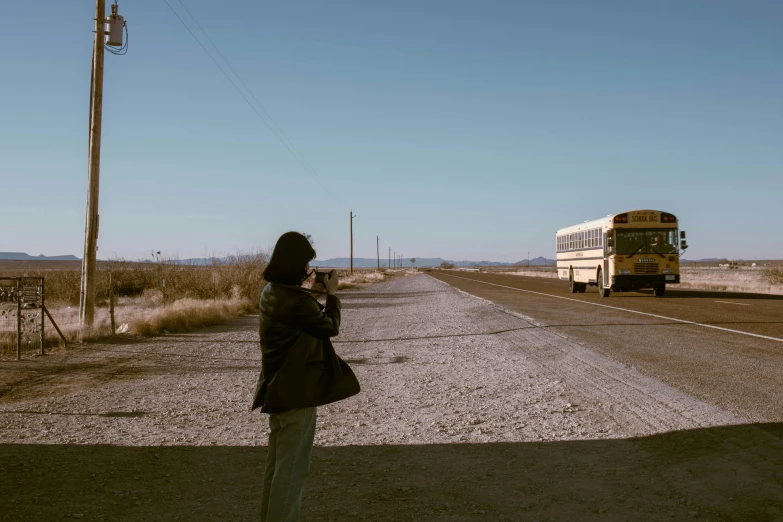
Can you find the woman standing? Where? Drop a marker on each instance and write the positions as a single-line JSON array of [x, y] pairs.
[[299, 371]]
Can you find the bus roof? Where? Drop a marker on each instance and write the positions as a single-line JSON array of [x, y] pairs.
[[601, 222]]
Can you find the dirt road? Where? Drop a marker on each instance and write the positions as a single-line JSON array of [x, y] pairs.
[[467, 412]]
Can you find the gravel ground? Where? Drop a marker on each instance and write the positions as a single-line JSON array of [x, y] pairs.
[[468, 412]]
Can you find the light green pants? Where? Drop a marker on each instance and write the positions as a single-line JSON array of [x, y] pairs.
[[287, 464]]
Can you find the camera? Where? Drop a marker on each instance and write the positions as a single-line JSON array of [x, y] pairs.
[[324, 281], [320, 276]]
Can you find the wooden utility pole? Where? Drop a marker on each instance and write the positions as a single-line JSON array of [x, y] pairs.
[[378, 250], [352, 216], [89, 262]]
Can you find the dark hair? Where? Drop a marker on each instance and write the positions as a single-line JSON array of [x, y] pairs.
[[289, 259]]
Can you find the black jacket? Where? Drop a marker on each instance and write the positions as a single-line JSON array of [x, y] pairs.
[[299, 367]]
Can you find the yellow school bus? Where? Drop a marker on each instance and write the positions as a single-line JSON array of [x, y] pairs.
[[622, 252]]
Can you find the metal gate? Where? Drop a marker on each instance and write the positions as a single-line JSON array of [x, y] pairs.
[[21, 316]]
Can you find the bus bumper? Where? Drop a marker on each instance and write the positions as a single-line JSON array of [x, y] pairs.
[[632, 282]]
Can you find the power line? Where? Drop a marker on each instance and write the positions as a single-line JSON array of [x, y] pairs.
[[277, 134], [299, 155]]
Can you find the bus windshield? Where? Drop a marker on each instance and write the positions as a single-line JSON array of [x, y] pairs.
[[632, 242]]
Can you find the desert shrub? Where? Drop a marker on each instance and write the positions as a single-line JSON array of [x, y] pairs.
[[235, 276], [361, 277], [62, 287], [446, 264], [773, 275]]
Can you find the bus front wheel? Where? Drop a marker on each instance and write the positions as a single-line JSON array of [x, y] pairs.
[[603, 292], [659, 290]]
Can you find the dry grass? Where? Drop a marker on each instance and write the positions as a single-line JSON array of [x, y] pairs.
[[550, 272], [367, 276], [376, 276], [150, 296], [359, 278], [773, 275], [171, 278], [146, 316], [189, 314], [193, 296], [743, 279]]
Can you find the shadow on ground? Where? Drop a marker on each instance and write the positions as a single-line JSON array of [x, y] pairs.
[[725, 473]]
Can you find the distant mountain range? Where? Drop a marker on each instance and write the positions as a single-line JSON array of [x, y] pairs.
[[363, 262], [21, 256], [336, 262]]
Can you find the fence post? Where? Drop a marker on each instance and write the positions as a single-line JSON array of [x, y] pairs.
[[59, 332], [111, 304], [43, 336], [18, 319]]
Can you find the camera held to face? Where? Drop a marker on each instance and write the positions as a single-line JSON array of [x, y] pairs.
[[326, 280]]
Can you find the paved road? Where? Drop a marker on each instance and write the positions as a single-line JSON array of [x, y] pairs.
[[724, 348]]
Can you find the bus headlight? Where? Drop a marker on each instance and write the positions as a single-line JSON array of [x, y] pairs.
[[625, 272], [668, 271]]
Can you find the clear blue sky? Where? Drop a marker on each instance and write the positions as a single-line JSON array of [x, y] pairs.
[[465, 130]]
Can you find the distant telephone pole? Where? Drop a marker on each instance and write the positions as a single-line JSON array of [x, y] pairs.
[[352, 216], [389, 266], [378, 250]]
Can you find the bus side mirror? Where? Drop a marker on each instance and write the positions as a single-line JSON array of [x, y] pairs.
[[682, 234], [609, 241], [684, 245]]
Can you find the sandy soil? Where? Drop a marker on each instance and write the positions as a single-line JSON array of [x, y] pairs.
[[468, 412]]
